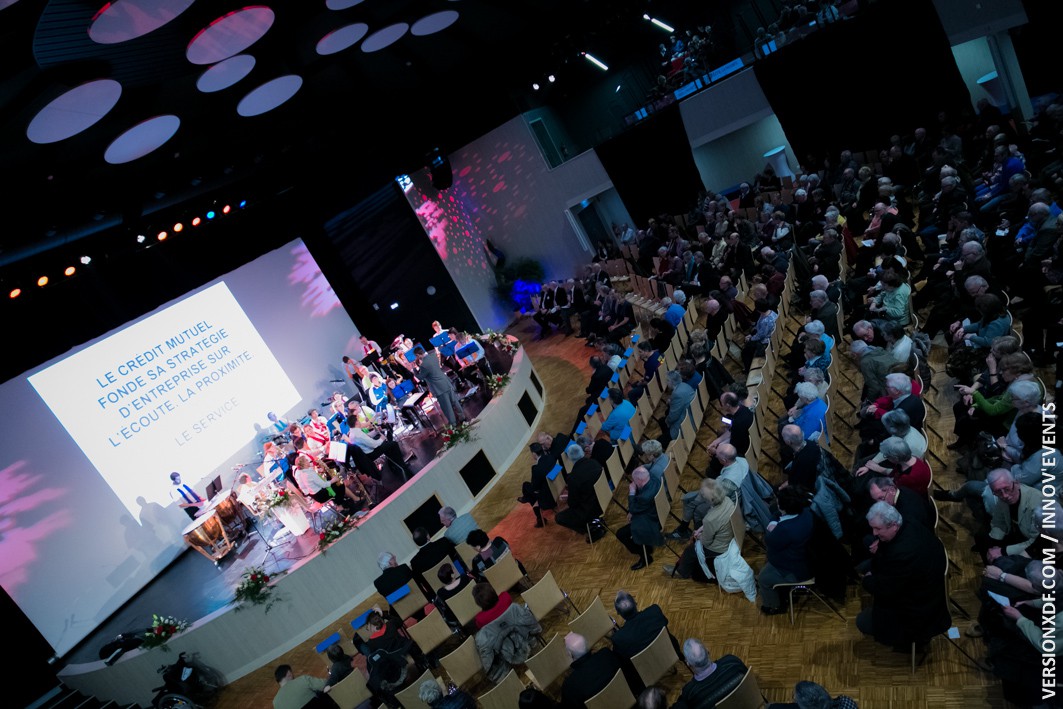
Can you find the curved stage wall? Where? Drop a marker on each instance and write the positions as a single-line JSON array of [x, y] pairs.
[[322, 589]]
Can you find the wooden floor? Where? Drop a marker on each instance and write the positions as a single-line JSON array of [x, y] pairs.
[[820, 647]]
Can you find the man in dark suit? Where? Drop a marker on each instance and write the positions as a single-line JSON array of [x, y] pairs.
[[640, 628], [555, 444], [824, 311], [393, 575], [536, 491], [738, 258], [429, 554], [583, 504], [800, 458], [591, 672], [600, 376], [913, 507], [899, 389], [906, 581], [712, 680], [545, 313], [563, 301]]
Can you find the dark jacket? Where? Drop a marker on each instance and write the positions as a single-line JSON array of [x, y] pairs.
[[582, 501], [392, 579], [645, 529], [706, 693], [804, 468], [740, 423], [916, 410], [539, 482], [638, 632], [907, 581], [787, 545], [590, 675], [599, 380], [914, 508], [431, 554]]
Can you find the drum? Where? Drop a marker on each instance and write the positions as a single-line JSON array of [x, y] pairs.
[[207, 535]]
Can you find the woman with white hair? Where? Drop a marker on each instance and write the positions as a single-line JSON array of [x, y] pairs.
[[904, 468], [810, 411]]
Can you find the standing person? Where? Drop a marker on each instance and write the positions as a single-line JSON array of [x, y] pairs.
[[427, 368], [642, 529], [185, 497], [302, 692]]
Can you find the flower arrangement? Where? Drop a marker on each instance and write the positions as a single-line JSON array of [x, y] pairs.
[[333, 531], [278, 497], [163, 627], [453, 435], [254, 590], [497, 382], [502, 341]]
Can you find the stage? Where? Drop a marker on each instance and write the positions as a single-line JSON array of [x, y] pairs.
[[317, 588]]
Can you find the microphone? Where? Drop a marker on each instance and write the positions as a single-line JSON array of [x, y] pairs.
[[336, 381]]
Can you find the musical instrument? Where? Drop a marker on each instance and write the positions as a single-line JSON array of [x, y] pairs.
[[208, 535]]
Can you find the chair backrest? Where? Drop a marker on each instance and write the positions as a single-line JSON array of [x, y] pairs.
[[549, 663], [616, 695], [594, 623], [410, 697], [463, 606], [656, 659], [614, 468], [505, 695], [410, 603], [504, 574], [544, 596], [627, 449], [603, 493], [738, 521], [745, 696], [464, 663], [671, 478], [431, 632], [465, 553], [351, 691], [431, 576], [660, 501]]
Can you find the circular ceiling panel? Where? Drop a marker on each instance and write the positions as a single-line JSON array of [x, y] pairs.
[[226, 73], [436, 22], [123, 20], [74, 111], [341, 4], [269, 95], [141, 139], [342, 38], [230, 34], [385, 37]]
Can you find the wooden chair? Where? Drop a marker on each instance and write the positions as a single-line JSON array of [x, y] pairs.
[[604, 496], [464, 663], [671, 480], [745, 696], [431, 576], [351, 691], [549, 664], [657, 659], [808, 586], [504, 574], [431, 632], [614, 468], [411, 603], [505, 695], [465, 553], [463, 606], [545, 596], [616, 695], [410, 696], [594, 623]]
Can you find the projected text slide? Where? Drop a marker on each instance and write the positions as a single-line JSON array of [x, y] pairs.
[[178, 391]]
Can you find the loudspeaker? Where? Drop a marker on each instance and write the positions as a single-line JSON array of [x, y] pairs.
[[439, 169]]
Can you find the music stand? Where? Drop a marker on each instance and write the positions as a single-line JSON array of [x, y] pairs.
[[213, 488]]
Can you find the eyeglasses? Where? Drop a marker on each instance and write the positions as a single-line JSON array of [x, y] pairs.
[[1001, 491]]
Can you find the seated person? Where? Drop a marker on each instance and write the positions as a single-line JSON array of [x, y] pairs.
[[458, 526], [651, 359], [583, 507], [712, 680], [318, 482], [340, 664], [452, 584], [619, 417], [993, 322], [302, 692], [488, 551], [809, 695], [429, 553], [904, 468], [388, 653], [640, 628], [393, 575], [786, 541], [363, 448], [591, 671], [536, 491], [809, 413], [433, 696], [643, 532], [504, 630], [714, 535], [801, 462]]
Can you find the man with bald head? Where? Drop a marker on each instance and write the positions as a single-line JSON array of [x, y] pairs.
[[591, 671]]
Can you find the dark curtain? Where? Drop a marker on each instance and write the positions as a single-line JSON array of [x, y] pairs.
[[854, 84], [652, 168], [383, 256]]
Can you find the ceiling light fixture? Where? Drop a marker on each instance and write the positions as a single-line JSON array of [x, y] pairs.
[[595, 61], [535, 87], [15, 292], [662, 25], [86, 260], [42, 281], [551, 78], [141, 238], [70, 271]]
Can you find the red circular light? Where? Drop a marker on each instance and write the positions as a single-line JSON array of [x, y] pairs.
[[195, 221], [15, 293], [69, 271], [226, 209]]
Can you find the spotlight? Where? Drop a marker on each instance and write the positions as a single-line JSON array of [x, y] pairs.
[[196, 221], [243, 203], [178, 227], [595, 61], [225, 209], [42, 281], [69, 271], [15, 293], [210, 214], [662, 25], [551, 78], [86, 260], [394, 306], [162, 236], [535, 87], [617, 89], [141, 238]]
